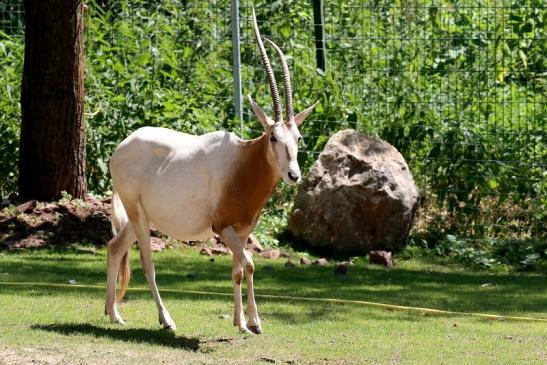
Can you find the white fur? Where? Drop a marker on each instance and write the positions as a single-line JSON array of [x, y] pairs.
[[177, 177], [175, 181]]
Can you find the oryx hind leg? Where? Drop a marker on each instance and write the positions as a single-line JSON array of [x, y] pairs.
[[117, 247]]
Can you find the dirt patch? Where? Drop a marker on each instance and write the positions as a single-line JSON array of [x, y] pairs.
[[35, 224], [31, 356]]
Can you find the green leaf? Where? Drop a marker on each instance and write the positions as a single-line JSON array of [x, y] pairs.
[[523, 58], [493, 184]]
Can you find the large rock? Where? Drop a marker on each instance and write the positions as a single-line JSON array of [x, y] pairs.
[[359, 196]]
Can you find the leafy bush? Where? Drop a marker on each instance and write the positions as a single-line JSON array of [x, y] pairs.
[[151, 65], [11, 66], [488, 253], [458, 89]]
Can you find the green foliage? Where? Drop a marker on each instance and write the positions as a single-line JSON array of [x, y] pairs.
[[11, 67], [458, 89], [65, 323], [487, 253], [490, 253], [154, 65]]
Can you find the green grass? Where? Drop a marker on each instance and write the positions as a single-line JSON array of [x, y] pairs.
[[62, 324]]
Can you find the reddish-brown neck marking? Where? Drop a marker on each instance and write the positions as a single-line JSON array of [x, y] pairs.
[[246, 189]]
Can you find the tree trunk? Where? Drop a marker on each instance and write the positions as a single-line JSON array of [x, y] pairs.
[[52, 155]]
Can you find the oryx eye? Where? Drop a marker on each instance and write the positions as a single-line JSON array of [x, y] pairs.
[[273, 139], [299, 139]]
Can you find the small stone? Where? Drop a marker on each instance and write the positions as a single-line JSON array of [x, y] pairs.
[[253, 244], [271, 254], [90, 250], [346, 263], [72, 282], [206, 251], [381, 258], [24, 243], [157, 244], [215, 240], [305, 261], [224, 316], [49, 208], [220, 250], [341, 268], [27, 206], [488, 285], [321, 262], [289, 263]]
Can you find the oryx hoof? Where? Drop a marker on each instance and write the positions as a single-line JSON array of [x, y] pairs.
[[257, 330], [169, 327], [166, 322], [244, 330], [119, 321]]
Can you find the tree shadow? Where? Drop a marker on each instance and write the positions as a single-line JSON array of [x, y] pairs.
[[428, 286], [135, 335]]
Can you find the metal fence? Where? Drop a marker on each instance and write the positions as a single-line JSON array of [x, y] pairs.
[[11, 16], [459, 87]]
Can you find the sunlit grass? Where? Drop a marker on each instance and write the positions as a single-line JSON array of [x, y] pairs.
[[67, 325]]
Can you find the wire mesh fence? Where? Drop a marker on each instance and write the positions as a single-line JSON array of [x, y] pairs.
[[11, 17], [459, 87]]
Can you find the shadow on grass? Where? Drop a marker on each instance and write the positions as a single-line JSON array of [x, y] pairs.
[[135, 335], [418, 285]]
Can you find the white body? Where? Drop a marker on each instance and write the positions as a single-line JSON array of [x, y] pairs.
[[177, 177], [192, 187]]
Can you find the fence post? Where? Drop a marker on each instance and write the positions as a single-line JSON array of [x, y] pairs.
[[236, 60], [319, 35]]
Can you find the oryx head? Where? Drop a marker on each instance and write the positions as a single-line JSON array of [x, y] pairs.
[[283, 135]]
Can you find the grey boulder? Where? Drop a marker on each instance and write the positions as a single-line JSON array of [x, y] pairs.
[[359, 196]]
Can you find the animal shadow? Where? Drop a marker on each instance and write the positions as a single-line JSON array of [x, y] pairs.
[[135, 335]]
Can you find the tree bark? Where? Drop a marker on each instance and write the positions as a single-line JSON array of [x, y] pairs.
[[52, 155]]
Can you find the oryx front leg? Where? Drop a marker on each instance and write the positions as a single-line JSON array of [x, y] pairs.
[[242, 263], [253, 323], [237, 276]]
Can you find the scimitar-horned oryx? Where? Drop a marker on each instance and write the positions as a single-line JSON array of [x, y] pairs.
[[193, 187]]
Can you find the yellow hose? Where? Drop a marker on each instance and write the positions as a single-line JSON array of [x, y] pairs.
[[286, 297]]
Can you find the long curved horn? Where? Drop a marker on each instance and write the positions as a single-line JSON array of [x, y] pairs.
[[278, 117], [286, 82]]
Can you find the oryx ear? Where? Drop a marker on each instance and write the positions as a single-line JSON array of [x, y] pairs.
[[300, 117], [266, 122]]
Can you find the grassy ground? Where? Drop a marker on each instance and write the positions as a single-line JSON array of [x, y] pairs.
[[65, 324]]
